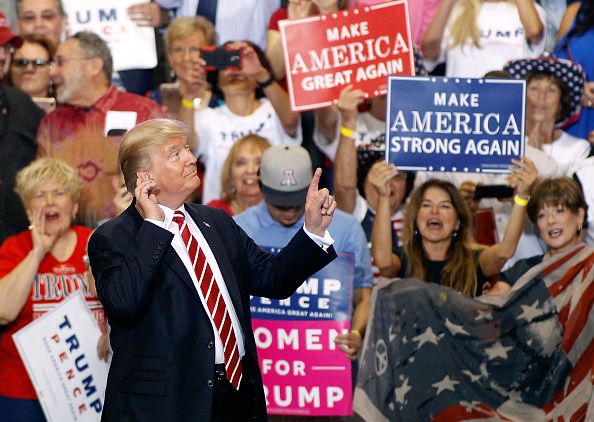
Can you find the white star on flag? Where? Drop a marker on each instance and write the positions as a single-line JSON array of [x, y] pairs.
[[454, 328], [473, 378], [427, 337], [529, 312], [445, 384], [497, 351], [483, 314], [401, 391]]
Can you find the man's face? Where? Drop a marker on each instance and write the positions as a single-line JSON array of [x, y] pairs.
[[174, 170], [287, 216], [69, 72], [41, 17]]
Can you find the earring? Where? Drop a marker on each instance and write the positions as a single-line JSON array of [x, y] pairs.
[[416, 232], [233, 190], [580, 228], [455, 234]]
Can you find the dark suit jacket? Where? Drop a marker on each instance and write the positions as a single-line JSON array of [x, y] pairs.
[[162, 338]]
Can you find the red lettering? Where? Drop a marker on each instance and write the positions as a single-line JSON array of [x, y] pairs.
[[63, 356]]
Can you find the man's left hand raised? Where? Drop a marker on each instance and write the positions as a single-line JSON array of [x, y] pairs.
[[319, 207]]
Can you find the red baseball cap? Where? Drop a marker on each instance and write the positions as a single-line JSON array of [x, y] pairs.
[[6, 35]]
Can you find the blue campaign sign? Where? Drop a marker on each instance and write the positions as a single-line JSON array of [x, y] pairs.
[[325, 296], [455, 124]]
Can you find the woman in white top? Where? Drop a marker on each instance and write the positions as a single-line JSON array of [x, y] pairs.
[[554, 89], [477, 36], [242, 114]]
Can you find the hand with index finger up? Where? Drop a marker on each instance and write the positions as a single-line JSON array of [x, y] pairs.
[[319, 206]]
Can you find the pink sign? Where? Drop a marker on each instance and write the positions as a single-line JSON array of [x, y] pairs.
[[359, 47], [303, 370]]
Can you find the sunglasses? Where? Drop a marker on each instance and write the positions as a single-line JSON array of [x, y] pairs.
[[34, 62]]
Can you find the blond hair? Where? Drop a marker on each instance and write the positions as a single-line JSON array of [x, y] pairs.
[[464, 27], [47, 170], [139, 144], [262, 144], [460, 267], [183, 26]]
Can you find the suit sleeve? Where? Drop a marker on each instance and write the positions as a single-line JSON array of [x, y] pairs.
[[124, 266], [277, 277]]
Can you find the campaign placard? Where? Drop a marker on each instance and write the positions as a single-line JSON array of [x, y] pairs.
[[359, 47], [304, 372], [132, 46], [59, 351], [455, 124]]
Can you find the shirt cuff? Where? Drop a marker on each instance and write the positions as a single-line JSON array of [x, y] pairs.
[[156, 222], [323, 242]]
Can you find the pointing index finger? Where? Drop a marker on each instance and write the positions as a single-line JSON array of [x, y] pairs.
[[315, 180]]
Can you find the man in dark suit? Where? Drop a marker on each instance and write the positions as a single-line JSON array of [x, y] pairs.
[[173, 359]]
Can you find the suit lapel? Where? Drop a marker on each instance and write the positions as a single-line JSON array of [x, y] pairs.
[[215, 242], [171, 257]]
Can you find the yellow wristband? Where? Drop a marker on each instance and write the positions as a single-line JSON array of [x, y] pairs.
[[521, 201], [187, 103], [357, 332], [346, 132]]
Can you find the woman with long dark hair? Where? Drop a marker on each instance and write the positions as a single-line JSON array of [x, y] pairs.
[[439, 245], [577, 47]]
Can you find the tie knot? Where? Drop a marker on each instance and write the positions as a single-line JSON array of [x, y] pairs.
[[179, 218]]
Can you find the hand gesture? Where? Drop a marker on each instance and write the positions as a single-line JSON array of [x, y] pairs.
[[251, 66], [348, 103], [467, 190], [523, 176], [380, 175], [42, 242], [319, 206], [146, 201]]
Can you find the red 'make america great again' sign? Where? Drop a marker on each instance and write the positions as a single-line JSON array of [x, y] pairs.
[[359, 47]]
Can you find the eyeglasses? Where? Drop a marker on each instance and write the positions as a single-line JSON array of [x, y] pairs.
[[61, 61], [35, 62], [180, 51]]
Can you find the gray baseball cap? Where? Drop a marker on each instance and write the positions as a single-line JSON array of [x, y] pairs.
[[285, 174]]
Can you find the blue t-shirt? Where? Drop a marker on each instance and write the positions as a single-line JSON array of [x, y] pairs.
[[344, 228]]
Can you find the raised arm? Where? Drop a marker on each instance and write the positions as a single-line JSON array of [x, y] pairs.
[[381, 232], [432, 40], [15, 286], [252, 67], [319, 207], [345, 161], [494, 257], [533, 26]]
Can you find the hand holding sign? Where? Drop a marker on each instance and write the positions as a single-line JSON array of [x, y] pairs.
[[348, 102]]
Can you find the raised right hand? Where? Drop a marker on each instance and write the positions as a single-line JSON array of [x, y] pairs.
[[146, 201], [380, 175], [42, 242], [348, 103], [467, 190]]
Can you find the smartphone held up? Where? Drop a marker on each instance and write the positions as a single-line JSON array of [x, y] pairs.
[[220, 58]]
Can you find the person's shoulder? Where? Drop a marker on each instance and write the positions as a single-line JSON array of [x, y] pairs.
[[139, 102]]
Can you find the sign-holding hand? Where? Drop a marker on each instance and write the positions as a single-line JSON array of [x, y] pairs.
[[319, 206]]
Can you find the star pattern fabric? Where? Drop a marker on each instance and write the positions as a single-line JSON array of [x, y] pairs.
[[431, 353]]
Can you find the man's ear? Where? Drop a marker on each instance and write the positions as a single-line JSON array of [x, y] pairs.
[[96, 66]]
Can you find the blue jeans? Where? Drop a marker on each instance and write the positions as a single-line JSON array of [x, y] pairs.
[[20, 410]]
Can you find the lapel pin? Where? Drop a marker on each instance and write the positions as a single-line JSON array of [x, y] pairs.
[[206, 224]]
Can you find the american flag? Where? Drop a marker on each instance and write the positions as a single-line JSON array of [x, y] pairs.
[[433, 354]]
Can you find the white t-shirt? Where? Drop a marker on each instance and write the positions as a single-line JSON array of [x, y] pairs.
[[218, 129], [502, 39], [568, 151], [369, 130], [529, 243]]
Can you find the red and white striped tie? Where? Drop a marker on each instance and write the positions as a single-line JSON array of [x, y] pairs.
[[209, 290]]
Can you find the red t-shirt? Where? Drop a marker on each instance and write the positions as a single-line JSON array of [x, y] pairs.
[[54, 282], [222, 205]]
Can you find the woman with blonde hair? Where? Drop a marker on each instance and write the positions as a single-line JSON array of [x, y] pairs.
[[40, 268], [474, 37], [438, 241], [240, 181]]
